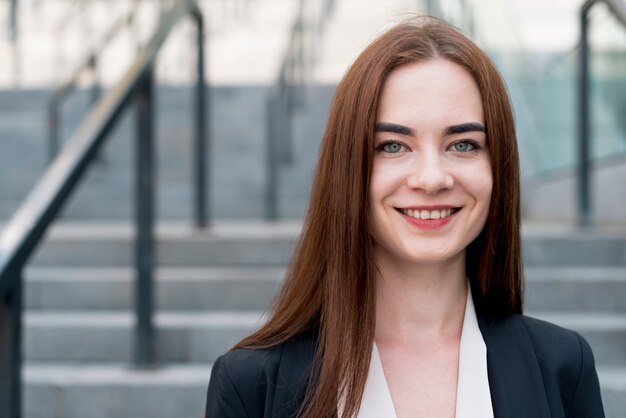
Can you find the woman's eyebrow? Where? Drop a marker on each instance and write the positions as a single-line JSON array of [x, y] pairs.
[[394, 128], [464, 127]]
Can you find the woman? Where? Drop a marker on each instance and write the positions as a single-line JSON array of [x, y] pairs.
[[404, 294]]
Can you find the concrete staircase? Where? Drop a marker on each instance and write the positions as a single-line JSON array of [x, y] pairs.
[[577, 279], [212, 289]]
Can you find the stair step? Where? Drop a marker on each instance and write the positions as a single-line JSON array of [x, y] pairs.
[[598, 288], [252, 288], [613, 383], [104, 390], [115, 390], [271, 244], [108, 336], [225, 244], [183, 288], [605, 332], [573, 246], [202, 336]]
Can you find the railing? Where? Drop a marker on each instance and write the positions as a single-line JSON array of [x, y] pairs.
[[25, 230], [618, 8], [284, 98], [13, 28], [90, 63]]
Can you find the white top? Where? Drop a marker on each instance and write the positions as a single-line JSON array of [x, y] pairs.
[[473, 399]]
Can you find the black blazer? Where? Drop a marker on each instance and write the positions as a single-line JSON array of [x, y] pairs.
[[536, 370]]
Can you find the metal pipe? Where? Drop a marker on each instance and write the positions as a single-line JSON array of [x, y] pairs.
[[144, 221], [53, 129], [271, 154], [13, 23], [11, 351], [95, 85], [584, 146], [202, 164]]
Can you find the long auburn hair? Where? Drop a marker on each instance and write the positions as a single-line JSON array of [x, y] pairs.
[[330, 283]]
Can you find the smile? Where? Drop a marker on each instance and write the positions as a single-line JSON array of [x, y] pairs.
[[428, 214]]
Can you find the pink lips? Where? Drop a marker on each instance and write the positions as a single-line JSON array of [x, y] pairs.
[[429, 224]]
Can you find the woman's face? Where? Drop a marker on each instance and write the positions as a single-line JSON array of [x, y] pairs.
[[431, 180]]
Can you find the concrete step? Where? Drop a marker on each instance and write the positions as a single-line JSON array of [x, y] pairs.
[[613, 383], [176, 390], [83, 336], [576, 288], [270, 243], [114, 390], [562, 245], [112, 288], [599, 289], [224, 244], [605, 332]]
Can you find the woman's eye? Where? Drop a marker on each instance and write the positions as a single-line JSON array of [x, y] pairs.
[[464, 146], [391, 147]]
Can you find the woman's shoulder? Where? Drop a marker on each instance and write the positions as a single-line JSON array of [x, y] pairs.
[[565, 359], [265, 362], [248, 382], [554, 345], [553, 342], [547, 334], [535, 353]]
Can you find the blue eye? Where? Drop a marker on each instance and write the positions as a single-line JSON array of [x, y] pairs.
[[465, 146], [391, 147]]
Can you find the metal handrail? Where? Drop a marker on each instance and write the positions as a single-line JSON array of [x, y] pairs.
[[618, 8], [283, 100], [65, 88], [25, 230], [13, 28]]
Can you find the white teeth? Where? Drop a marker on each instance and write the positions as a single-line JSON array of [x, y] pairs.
[[427, 214]]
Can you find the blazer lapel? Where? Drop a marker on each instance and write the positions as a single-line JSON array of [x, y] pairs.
[[515, 380], [294, 375]]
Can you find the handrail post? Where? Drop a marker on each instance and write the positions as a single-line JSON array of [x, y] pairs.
[[11, 351], [144, 221], [584, 160], [271, 154], [202, 164], [53, 128], [95, 85], [13, 23]]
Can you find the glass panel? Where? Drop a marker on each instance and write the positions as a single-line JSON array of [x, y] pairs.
[[607, 40], [543, 84]]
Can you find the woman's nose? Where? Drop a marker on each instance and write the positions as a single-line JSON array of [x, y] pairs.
[[430, 174]]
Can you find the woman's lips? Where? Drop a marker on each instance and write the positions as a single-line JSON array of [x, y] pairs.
[[429, 218]]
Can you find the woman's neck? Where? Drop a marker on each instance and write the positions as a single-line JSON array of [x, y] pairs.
[[420, 303]]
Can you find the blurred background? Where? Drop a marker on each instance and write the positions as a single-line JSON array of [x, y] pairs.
[[156, 159]]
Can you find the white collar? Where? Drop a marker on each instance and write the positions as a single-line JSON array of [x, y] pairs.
[[473, 399]]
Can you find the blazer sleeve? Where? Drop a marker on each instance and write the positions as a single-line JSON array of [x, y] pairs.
[[223, 399], [586, 401]]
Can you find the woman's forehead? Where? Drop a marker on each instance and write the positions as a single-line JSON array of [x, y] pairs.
[[436, 91]]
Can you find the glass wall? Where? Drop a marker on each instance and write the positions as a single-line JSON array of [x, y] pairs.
[[607, 41], [543, 83]]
